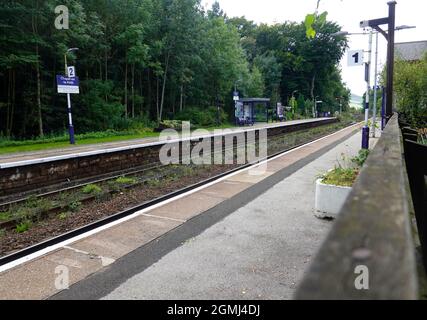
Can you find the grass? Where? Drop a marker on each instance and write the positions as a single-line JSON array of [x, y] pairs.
[[11, 146], [5, 216], [346, 176], [23, 226], [75, 206], [57, 142], [361, 158], [153, 183], [126, 180], [63, 216], [92, 189], [343, 177], [422, 136], [31, 209]]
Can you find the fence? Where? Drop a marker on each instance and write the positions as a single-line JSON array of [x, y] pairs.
[[374, 235]]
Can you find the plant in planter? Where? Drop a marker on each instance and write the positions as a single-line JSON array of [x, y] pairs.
[[333, 187]]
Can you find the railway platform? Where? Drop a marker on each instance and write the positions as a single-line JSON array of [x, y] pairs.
[[243, 236], [34, 157]]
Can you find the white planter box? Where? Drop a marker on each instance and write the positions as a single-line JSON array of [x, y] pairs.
[[329, 199]]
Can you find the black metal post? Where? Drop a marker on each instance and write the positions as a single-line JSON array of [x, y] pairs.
[[383, 116], [390, 58]]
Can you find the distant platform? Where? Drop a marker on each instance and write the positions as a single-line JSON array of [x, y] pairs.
[[35, 157]]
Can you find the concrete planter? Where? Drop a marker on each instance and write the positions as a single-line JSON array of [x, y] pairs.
[[329, 199]]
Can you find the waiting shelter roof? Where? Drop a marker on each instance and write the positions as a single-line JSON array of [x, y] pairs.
[[254, 100]]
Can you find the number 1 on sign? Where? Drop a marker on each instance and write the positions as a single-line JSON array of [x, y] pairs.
[[355, 58]]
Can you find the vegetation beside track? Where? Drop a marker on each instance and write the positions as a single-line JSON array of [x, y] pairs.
[[38, 219], [62, 141]]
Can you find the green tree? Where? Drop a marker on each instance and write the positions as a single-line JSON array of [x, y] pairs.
[[410, 85]]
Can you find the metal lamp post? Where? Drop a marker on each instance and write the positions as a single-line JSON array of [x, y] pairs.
[[365, 129], [374, 111], [293, 102], [70, 117], [389, 35], [340, 102]]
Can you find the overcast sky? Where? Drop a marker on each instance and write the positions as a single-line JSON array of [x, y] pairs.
[[347, 13]]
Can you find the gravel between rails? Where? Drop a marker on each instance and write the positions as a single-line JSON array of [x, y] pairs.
[[11, 241]]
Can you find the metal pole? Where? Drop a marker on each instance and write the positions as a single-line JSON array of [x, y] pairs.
[[70, 117], [374, 118], [383, 117], [365, 130], [314, 108], [70, 120], [390, 58]]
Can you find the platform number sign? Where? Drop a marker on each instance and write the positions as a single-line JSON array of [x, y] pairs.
[[71, 72], [355, 58], [236, 96]]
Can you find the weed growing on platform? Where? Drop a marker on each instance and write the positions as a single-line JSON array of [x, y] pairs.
[[361, 158]]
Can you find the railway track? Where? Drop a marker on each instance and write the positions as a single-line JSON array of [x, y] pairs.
[[20, 197], [20, 179], [273, 152]]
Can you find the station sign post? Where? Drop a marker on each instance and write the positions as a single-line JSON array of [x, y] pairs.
[[69, 85]]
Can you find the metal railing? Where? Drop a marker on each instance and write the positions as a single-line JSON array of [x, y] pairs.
[[370, 251], [416, 163]]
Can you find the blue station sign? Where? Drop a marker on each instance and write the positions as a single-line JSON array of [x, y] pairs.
[[67, 85]]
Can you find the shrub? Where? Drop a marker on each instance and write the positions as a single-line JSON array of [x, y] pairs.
[[63, 216], [422, 134], [360, 159], [5, 216], [171, 124], [75, 206], [142, 123], [126, 180], [410, 87], [92, 189], [153, 182], [202, 117], [23, 226], [344, 177]]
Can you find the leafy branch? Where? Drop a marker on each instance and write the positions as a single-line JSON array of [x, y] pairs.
[[312, 19]]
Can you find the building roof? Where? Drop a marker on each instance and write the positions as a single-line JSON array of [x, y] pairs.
[[254, 100], [411, 51]]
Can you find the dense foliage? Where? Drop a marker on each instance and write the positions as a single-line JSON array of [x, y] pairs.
[[411, 91], [141, 61]]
